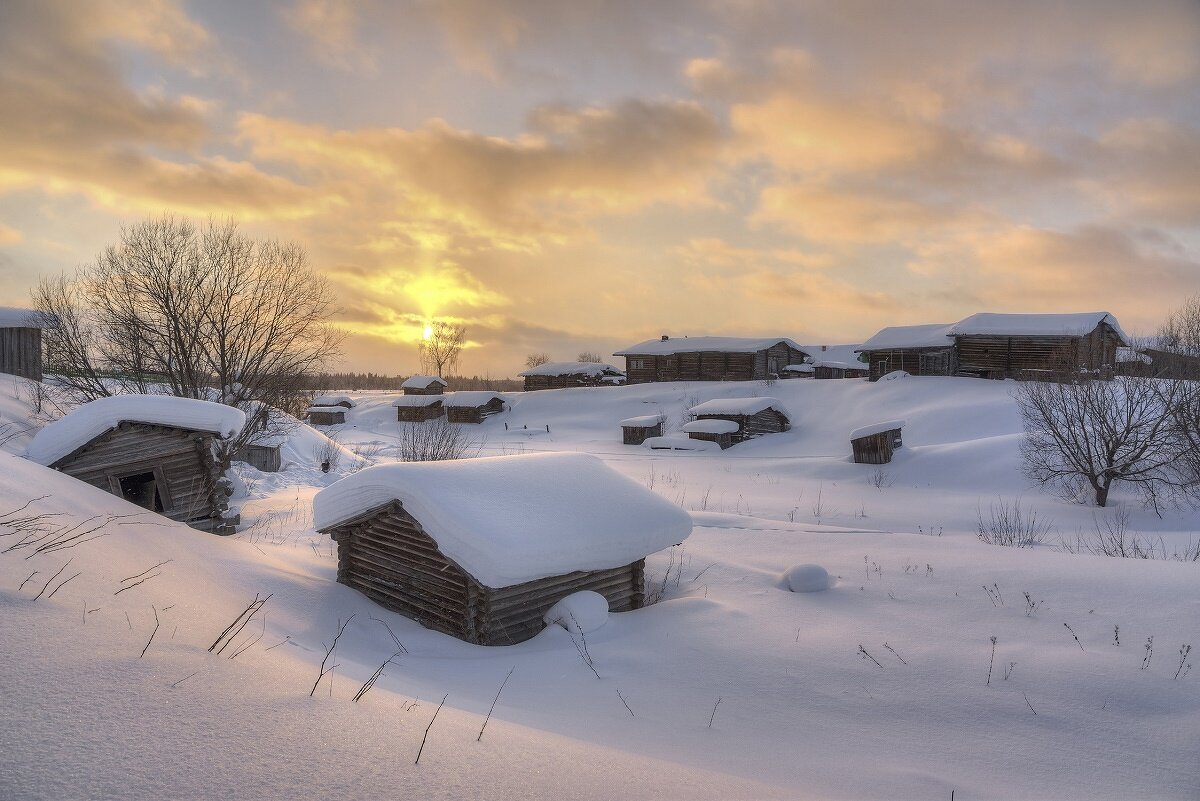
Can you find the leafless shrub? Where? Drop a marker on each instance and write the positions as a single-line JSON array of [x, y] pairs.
[[367, 453], [1113, 536], [1011, 525], [435, 441], [881, 478], [589, 357], [328, 452], [329, 649]]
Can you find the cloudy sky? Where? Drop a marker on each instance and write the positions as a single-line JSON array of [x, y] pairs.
[[568, 176]]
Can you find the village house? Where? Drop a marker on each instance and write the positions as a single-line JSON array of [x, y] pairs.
[[560, 375], [710, 358], [155, 451], [481, 549]]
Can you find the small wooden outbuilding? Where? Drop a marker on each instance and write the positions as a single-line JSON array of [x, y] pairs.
[[472, 407], [561, 375], [264, 456], [21, 342], [418, 408], [482, 548], [713, 429], [423, 385], [326, 415], [155, 451], [636, 430], [753, 416], [823, 369], [875, 444], [710, 358], [345, 401]]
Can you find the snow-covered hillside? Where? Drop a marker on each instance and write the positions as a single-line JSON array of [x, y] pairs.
[[729, 687]]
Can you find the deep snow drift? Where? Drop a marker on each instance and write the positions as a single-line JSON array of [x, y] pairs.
[[885, 685]]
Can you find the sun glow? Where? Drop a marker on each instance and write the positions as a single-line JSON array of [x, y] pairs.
[[427, 334]]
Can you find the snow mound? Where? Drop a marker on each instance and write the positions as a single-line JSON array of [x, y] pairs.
[[807, 578], [92, 419], [895, 375], [579, 613]]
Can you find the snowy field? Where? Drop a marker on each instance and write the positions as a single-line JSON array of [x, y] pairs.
[[729, 687]]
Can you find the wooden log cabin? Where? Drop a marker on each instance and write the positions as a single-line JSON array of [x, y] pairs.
[[710, 359], [264, 456], [418, 408], [345, 401], [157, 452], [561, 375], [326, 415], [915, 349], [472, 407], [423, 385], [21, 342], [480, 549], [636, 430], [713, 429], [753, 417], [1037, 346], [875, 444]]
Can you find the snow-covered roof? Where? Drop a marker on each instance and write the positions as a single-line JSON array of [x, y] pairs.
[[333, 400], [422, 381], [419, 400], [710, 426], [900, 337], [90, 420], [573, 368], [466, 399], [1127, 355], [668, 347], [13, 317], [680, 444], [799, 368], [326, 410], [644, 421], [1032, 325], [831, 353], [512, 519], [839, 365], [877, 428], [738, 406]]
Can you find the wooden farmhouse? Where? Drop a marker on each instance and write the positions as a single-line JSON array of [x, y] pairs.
[[1032, 346], [21, 342], [728, 421], [326, 415], [418, 408], [155, 451], [710, 359], [423, 385], [560, 375], [482, 548], [875, 444], [915, 349], [473, 406], [636, 430]]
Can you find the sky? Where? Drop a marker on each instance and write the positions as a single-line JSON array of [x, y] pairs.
[[566, 177]]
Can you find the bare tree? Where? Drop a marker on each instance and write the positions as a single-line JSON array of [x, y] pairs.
[[197, 312], [536, 360], [588, 356], [440, 350], [1083, 435], [1180, 331]]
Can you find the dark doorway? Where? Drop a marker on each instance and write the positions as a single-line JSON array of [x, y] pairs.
[[142, 489]]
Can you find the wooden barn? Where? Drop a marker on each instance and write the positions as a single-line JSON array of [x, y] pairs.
[[560, 375], [1033, 346], [418, 408], [915, 349], [875, 444], [264, 456], [153, 450], [752, 416], [473, 406], [824, 369], [710, 359], [21, 342], [482, 548], [345, 401], [423, 385], [713, 429], [636, 430], [326, 415]]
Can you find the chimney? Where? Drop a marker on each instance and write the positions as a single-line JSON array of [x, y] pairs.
[[824, 348], [665, 337]]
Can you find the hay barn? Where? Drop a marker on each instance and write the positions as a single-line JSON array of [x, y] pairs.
[[418, 408], [155, 451], [753, 416], [423, 385], [482, 548], [345, 401], [472, 407], [1037, 346], [326, 415]]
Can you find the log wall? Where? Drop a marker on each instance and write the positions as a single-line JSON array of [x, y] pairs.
[[1010, 357], [21, 352], [768, 421], [875, 448], [915, 361], [419, 414], [473, 414], [330, 418], [711, 365], [636, 435], [433, 389], [261, 457]]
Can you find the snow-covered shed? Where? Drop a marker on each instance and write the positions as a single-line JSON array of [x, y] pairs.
[[875, 443], [345, 401], [710, 358], [636, 430], [423, 385], [560, 375], [915, 349], [482, 548], [418, 408], [326, 415], [472, 406], [753, 417], [21, 342], [992, 345], [153, 450]]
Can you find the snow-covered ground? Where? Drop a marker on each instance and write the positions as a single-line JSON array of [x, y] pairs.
[[729, 687]]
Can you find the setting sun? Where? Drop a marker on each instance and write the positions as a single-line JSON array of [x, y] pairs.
[[427, 333]]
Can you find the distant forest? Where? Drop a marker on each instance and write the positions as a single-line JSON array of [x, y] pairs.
[[361, 381]]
